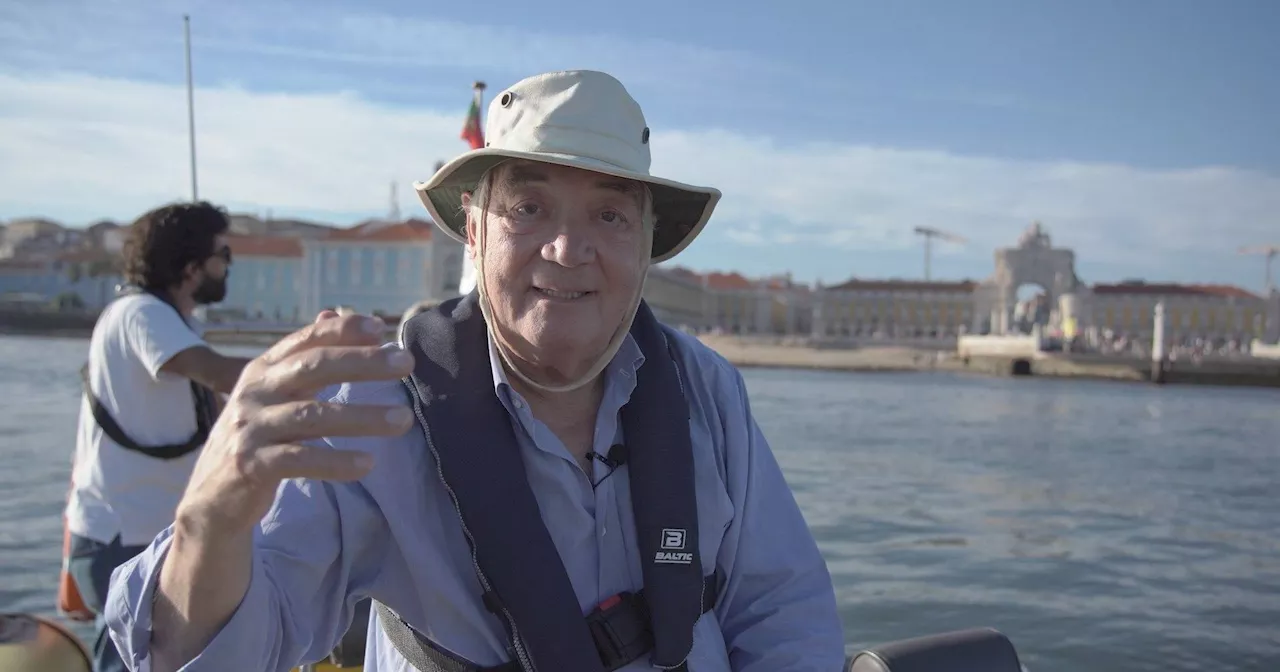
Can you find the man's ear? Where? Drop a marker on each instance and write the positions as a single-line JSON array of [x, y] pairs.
[[471, 223], [189, 271]]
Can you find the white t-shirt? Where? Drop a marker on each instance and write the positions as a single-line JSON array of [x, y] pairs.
[[115, 490]]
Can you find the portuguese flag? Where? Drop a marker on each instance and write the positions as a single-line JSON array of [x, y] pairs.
[[471, 130]]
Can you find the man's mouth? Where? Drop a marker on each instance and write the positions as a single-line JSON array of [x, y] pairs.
[[559, 294]]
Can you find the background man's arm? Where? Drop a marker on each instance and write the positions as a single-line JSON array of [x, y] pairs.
[[203, 365], [166, 345]]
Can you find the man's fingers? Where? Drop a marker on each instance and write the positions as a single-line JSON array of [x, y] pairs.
[[306, 372], [306, 420], [293, 460], [336, 330], [325, 314]]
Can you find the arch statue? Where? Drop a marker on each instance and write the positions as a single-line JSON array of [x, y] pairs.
[[1034, 261]]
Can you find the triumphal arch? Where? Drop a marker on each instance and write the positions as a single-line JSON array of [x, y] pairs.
[[1034, 261]]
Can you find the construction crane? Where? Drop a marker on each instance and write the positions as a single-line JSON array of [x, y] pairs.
[[1270, 252], [929, 234]]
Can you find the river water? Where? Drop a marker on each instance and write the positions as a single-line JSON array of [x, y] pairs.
[[1101, 526]]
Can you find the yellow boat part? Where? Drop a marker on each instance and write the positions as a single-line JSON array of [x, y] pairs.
[[34, 644]]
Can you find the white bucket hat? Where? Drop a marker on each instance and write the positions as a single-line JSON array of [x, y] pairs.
[[581, 119]]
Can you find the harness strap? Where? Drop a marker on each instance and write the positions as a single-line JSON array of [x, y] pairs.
[[620, 627], [204, 423], [529, 591]]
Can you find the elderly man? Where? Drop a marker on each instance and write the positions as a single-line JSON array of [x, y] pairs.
[[540, 477]]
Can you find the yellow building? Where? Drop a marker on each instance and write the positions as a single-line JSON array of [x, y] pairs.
[[1192, 311], [728, 302], [893, 308], [859, 308], [677, 297]]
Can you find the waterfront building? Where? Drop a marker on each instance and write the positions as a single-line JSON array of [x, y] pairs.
[[893, 308], [377, 268], [732, 303], [380, 267], [266, 281], [1060, 303], [1212, 312], [83, 278], [677, 297], [286, 272]]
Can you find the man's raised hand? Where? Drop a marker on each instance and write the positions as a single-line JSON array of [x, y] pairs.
[[260, 437]]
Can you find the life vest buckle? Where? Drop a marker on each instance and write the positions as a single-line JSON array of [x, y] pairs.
[[620, 629]]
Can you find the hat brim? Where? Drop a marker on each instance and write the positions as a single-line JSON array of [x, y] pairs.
[[682, 210]]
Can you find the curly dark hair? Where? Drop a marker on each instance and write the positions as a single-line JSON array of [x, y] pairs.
[[163, 241]]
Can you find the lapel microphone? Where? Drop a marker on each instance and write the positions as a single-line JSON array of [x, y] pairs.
[[616, 458]]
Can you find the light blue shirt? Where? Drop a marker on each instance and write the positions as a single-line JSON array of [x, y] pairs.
[[395, 536]]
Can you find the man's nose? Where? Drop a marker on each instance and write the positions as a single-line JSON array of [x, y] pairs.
[[570, 246]]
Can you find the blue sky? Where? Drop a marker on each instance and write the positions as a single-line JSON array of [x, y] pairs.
[[1143, 135]]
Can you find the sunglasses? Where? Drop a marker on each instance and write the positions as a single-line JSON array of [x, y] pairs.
[[224, 252]]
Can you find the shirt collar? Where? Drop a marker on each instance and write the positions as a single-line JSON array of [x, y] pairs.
[[624, 365]]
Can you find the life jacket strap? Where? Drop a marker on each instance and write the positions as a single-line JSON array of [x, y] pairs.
[[620, 627], [204, 423]]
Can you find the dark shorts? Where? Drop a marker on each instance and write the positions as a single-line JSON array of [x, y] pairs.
[[90, 564]]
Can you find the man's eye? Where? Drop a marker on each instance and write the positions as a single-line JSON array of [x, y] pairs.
[[614, 217]]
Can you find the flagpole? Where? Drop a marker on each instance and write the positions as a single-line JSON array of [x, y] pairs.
[[191, 107], [479, 87], [467, 280]]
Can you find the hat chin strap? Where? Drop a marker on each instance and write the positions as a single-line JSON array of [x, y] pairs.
[[614, 343]]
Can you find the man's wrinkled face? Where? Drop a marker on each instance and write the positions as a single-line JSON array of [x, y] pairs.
[[562, 257]]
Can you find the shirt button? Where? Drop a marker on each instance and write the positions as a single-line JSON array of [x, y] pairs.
[[518, 403]]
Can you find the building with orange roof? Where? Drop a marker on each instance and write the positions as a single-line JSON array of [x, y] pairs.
[[377, 267], [265, 281], [380, 267], [385, 266]]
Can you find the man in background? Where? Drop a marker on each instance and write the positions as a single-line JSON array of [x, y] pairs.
[[149, 398]]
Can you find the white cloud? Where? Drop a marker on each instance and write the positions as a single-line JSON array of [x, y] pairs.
[[78, 147], [136, 36]]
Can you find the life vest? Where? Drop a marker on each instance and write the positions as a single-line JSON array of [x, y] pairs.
[[516, 562]]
